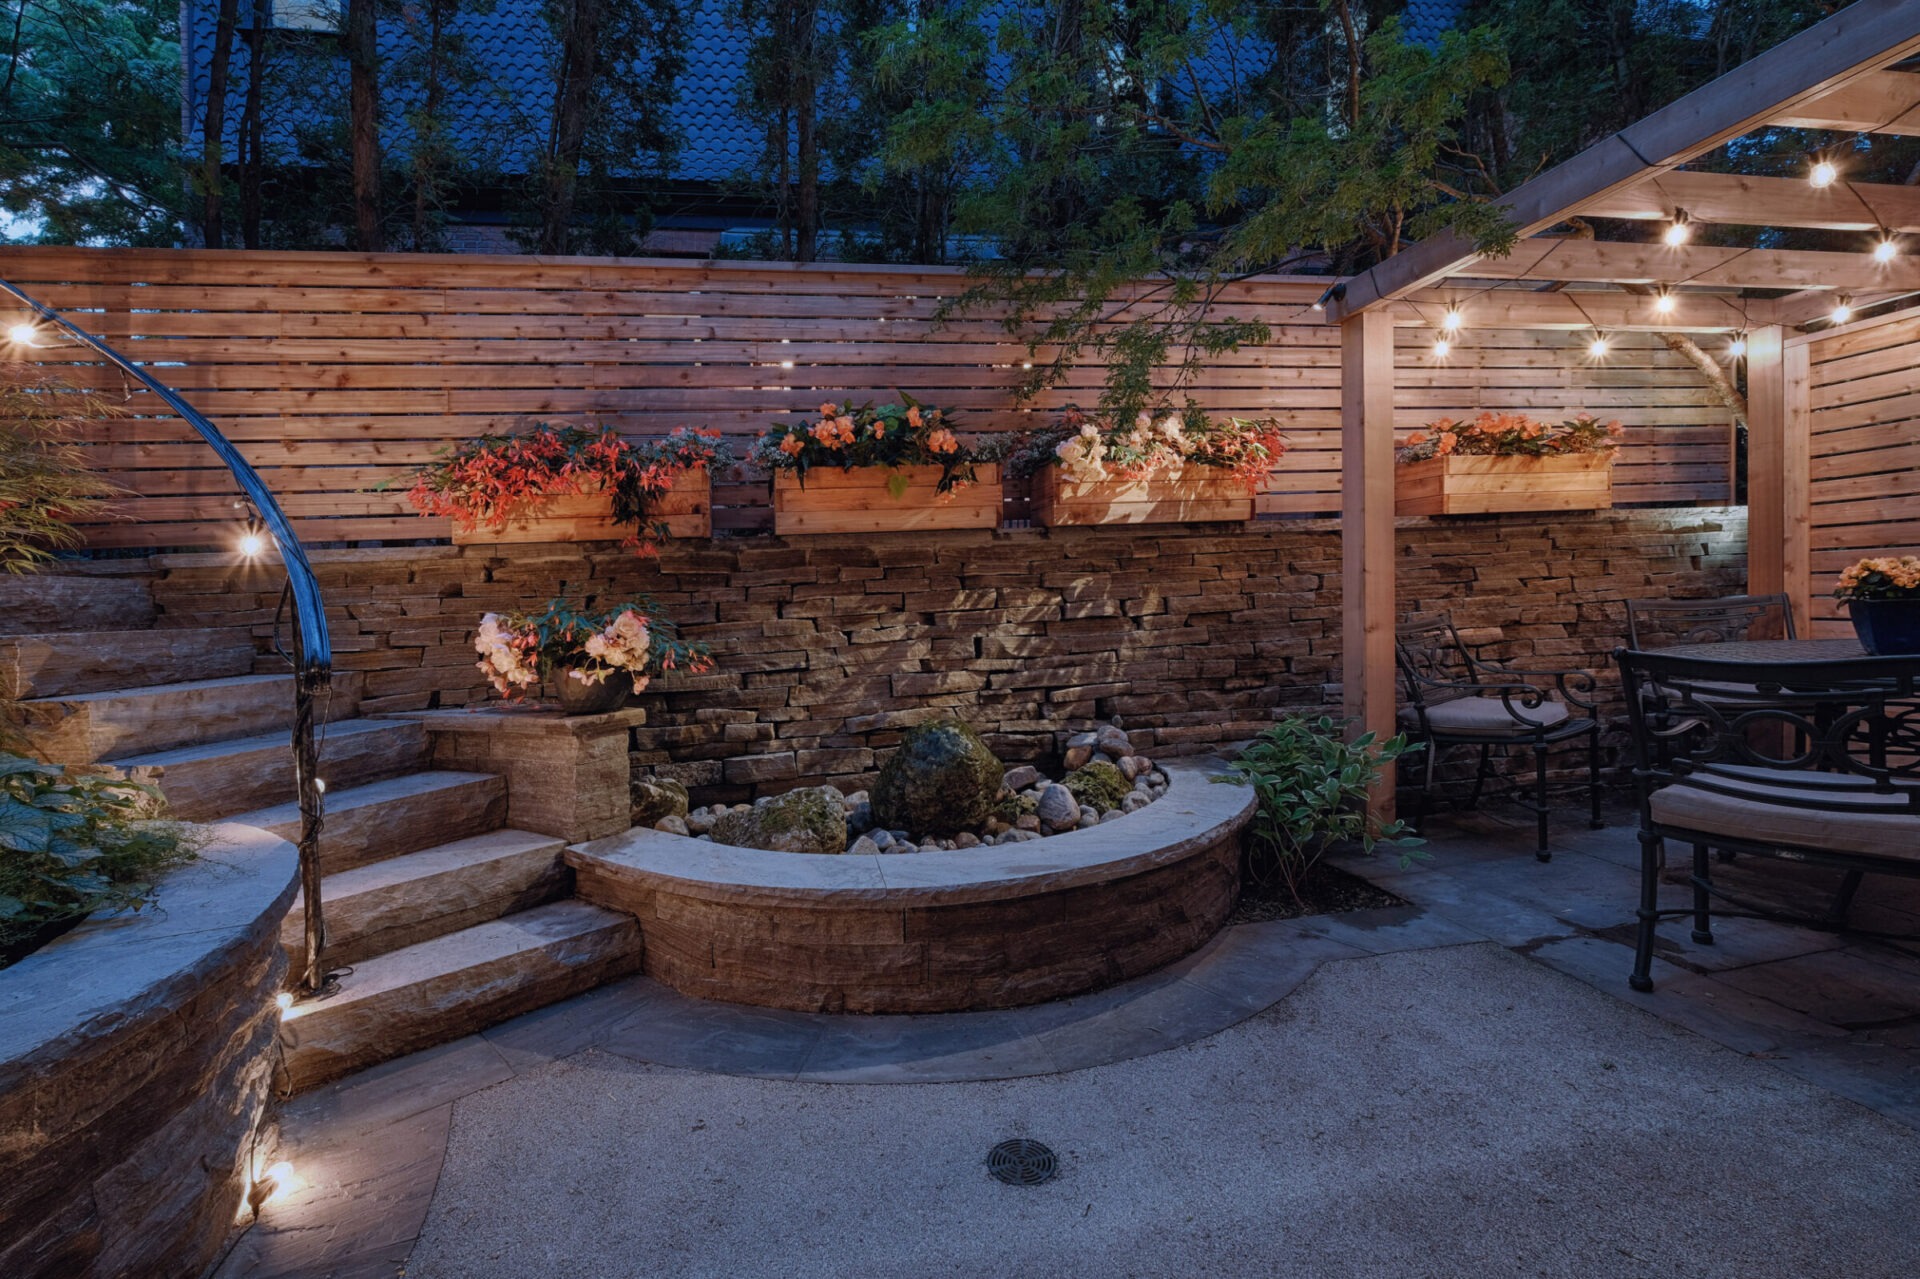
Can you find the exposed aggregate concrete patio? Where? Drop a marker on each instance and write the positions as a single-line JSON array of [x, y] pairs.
[[1464, 1086]]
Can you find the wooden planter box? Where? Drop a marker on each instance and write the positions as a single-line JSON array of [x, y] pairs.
[[686, 510], [857, 501], [1191, 495], [1484, 485]]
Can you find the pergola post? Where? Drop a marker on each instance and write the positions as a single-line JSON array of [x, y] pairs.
[[1366, 530], [1779, 461]]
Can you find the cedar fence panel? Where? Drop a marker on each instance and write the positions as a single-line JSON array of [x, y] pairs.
[[336, 373], [1865, 463]]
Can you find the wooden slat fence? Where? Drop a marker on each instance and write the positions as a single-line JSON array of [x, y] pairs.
[[1864, 406], [336, 372]]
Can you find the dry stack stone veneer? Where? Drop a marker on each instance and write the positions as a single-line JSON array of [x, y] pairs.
[[136, 1058], [1193, 635]]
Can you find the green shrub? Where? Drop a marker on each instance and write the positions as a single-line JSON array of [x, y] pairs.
[[72, 845], [45, 484], [1311, 783]]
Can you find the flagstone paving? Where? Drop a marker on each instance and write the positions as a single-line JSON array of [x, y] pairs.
[[1464, 1085]]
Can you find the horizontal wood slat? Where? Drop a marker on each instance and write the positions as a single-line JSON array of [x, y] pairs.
[[337, 373]]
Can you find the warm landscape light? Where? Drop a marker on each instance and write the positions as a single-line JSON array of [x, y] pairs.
[[1452, 320], [1680, 230], [1822, 174], [277, 1181], [1887, 249], [320, 784], [252, 544], [22, 335], [284, 1000], [1737, 347], [1597, 347]]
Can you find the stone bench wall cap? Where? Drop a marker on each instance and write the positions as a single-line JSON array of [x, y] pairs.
[[115, 970], [1192, 817]]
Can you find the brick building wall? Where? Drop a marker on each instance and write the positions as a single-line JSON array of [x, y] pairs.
[[828, 646]]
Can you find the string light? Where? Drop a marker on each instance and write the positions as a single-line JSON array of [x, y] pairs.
[[1664, 302], [252, 545], [23, 335], [1887, 249], [1452, 321], [1598, 347], [1441, 348], [1737, 347], [1842, 309], [1823, 173], [1680, 230]]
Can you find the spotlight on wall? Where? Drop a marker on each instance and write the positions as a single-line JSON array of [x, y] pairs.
[[277, 1181], [1680, 230]]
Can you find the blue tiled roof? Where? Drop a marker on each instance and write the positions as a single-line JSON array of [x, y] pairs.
[[498, 119]]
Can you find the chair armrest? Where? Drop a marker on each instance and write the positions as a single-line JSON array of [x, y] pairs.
[[1577, 687], [1514, 697]]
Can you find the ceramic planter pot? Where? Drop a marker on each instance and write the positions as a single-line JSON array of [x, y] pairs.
[[1886, 626], [577, 697]]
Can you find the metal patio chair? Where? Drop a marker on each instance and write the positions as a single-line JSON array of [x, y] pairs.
[[1656, 624], [1838, 787], [1454, 698]]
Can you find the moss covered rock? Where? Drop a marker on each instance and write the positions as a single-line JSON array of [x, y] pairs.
[[809, 820], [653, 798], [942, 780], [1099, 784]]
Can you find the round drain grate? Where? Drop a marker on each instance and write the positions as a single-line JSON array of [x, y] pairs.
[[1021, 1162]]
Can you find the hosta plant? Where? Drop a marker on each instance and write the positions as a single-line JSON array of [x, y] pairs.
[[71, 845], [1311, 784]]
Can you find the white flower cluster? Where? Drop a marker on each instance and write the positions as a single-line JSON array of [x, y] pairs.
[[1083, 456], [1165, 445], [506, 659], [623, 646]]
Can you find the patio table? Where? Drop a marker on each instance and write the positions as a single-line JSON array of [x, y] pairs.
[[1772, 650]]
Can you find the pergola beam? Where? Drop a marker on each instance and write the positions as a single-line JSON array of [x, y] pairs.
[[1613, 312], [1858, 40], [1882, 102], [1564, 259], [1736, 199]]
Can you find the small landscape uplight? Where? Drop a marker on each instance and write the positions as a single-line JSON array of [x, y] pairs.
[[275, 1183], [252, 545], [284, 1002]]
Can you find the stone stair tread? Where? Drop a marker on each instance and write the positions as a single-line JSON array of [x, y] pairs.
[[164, 689], [380, 792], [199, 751], [454, 985], [70, 662], [378, 820], [76, 728], [402, 901]]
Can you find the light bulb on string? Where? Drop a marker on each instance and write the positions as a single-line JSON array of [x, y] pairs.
[[1664, 302], [1842, 310], [1678, 231], [1441, 348], [1823, 174], [1886, 249], [1452, 321], [252, 545], [1598, 347], [22, 335], [1737, 347]]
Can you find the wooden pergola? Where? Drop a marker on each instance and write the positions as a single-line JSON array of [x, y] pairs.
[[1841, 75]]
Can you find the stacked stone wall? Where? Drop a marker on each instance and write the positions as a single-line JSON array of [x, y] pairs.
[[1192, 636]]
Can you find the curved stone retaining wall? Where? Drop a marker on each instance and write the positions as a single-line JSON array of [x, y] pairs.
[[931, 932], [136, 1057]]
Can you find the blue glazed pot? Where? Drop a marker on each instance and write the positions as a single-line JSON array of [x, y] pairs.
[[1886, 626]]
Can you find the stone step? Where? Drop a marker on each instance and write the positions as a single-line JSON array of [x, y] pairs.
[[60, 663], [438, 990], [218, 779], [86, 728], [366, 824], [54, 601], [416, 897]]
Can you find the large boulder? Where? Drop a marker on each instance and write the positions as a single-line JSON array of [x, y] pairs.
[[653, 798], [942, 780], [809, 820]]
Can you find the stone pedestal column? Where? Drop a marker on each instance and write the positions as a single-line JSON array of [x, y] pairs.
[[566, 775]]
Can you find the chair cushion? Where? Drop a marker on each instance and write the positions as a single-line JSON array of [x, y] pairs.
[[1486, 717], [1831, 827]]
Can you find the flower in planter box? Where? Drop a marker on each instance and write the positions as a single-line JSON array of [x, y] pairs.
[[888, 435], [1881, 577], [1089, 453], [1512, 435], [634, 639]]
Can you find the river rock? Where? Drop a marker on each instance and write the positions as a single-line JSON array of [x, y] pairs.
[[673, 825], [809, 820], [864, 847], [652, 798], [1020, 778], [940, 780], [1058, 808], [1113, 741]]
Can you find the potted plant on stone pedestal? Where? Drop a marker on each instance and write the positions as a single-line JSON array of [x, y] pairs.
[[596, 659]]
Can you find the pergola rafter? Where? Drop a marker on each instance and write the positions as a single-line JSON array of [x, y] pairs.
[[1839, 75]]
